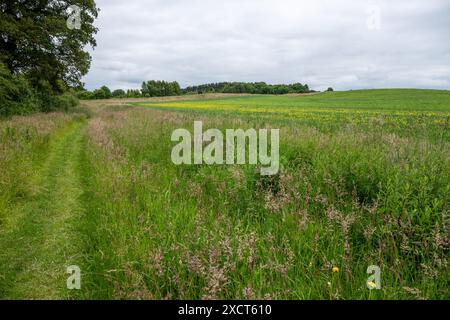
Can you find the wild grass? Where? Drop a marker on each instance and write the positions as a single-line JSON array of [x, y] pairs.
[[349, 197], [24, 142], [39, 204], [362, 182]]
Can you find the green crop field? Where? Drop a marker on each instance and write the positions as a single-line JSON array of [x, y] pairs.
[[364, 181], [401, 110]]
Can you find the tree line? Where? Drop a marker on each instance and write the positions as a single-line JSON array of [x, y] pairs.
[[152, 88], [156, 88], [248, 87]]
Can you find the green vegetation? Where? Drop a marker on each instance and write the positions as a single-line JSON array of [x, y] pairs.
[[41, 59], [18, 96], [37, 237], [159, 88], [248, 87], [150, 88], [384, 100], [364, 181], [405, 112]]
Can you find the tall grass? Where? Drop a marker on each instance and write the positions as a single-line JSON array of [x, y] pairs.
[[361, 187], [348, 196], [24, 142]]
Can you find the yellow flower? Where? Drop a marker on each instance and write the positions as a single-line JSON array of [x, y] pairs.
[[371, 284], [335, 269]]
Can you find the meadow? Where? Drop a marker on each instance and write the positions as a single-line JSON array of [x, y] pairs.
[[364, 180]]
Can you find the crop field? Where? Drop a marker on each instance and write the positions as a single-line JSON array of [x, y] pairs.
[[364, 181], [401, 110]]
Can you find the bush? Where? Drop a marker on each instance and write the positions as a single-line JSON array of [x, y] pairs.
[[52, 102], [85, 95], [66, 101], [16, 95]]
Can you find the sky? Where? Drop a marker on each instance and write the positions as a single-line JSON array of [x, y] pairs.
[[339, 43]]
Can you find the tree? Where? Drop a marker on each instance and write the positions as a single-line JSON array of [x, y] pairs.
[[144, 89], [85, 95], [99, 94], [158, 88], [106, 91], [131, 93], [35, 41], [119, 93], [103, 93], [330, 89], [174, 89], [247, 87]]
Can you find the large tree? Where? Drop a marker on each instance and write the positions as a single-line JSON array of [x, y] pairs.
[[35, 40]]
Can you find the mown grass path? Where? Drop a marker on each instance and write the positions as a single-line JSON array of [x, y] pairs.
[[40, 239]]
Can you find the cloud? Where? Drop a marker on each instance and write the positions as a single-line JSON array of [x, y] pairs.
[[340, 43]]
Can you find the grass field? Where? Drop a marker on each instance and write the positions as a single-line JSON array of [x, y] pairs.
[[403, 111], [364, 180]]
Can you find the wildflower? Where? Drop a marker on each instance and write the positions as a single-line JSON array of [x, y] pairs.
[[371, 285], [248, 293], [335, 269], [412, 290]]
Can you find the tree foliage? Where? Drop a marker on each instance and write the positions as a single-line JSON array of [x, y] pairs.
[[154, 88], [35, 41], [119, 93], [41, 59], [158, 88], [248, 87], [16, 95]]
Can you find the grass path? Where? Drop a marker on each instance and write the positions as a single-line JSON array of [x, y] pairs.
[[40, 239]]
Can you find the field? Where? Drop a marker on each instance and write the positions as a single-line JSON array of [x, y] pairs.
[[364, 180]]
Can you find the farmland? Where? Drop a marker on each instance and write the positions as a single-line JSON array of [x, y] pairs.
[[403, 111], [364, 181]]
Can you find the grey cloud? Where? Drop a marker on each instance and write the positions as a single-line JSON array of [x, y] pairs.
[[322, 43]]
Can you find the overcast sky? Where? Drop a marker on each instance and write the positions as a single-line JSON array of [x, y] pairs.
[[340, 43]]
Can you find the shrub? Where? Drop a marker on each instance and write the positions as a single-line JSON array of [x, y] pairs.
[[16, 94], [85, 95], [66, 101]]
